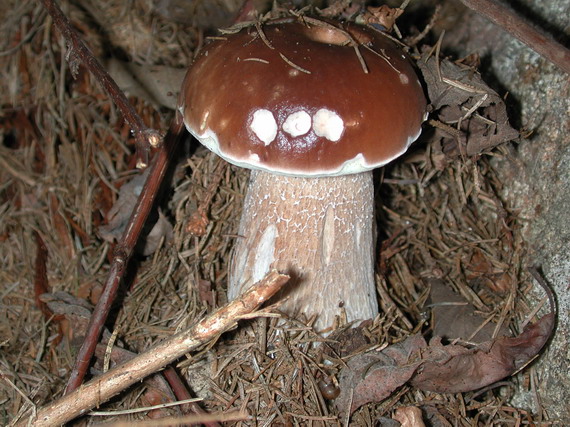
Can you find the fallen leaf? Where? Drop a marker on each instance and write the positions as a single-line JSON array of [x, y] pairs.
[[454, 317], [205, 292], [161, 232], [374, 375], [435, 418], [409, 416], [74, 314], [458, 95], [344, 342], [454, 369], [119, 215], [156, 84]]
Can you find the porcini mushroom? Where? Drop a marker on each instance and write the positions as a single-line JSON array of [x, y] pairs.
[[312, 107]]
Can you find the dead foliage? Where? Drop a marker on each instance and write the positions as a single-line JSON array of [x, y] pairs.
[[66, 154], [471, 117], [374, 375]]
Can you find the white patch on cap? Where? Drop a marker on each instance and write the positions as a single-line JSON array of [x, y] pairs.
[[297, 123], [254, 158], [264, 125], [327, 123], [404, 79], [357, 164]]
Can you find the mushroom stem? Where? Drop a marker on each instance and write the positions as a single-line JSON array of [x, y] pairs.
[[319, 231]]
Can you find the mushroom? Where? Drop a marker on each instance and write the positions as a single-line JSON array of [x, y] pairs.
[[311, 107]]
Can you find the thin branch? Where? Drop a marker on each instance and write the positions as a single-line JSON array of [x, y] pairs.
[[123, 252], [182, 393], [105, 386], [515, 25], [144, 137]]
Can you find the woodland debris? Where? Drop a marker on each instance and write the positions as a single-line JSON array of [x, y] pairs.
[[119, 378], [471, 118], [373, 376]]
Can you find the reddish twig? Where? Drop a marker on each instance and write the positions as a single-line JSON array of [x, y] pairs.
[[41, 286], [105, 386], [144, 137], [534, 38], [40, 277], [181, 393], [124, 250], [177, 386]]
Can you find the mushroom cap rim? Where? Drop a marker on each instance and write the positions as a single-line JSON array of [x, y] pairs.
[[351, 166]]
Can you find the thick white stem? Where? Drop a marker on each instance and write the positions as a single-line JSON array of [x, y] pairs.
[[319, 231]]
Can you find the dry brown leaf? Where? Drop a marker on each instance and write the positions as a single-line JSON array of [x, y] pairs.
[[373, 376], [74, 313], [454, 369], [471, 117], [409, 416], [383, 16], [454, 317], [161, 232], [121, 211], [156, 84]]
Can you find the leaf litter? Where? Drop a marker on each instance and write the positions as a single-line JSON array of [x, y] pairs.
[[66, 153]]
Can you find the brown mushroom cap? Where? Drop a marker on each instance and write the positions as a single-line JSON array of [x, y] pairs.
[[296, 99]]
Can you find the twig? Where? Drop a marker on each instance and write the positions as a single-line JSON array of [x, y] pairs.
[[169, 374], [534, 38], [182, 393], [124, 250], [144, 137], [116, 412], [105, 386], [186, 420], [434, 17], [40, 276]]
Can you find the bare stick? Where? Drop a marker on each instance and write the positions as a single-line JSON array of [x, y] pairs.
[[159, 381], [534, 38], [123, 252], [105, 386], [181, 393], [144, 137]]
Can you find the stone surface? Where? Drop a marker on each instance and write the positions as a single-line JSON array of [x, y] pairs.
[[537, 177]]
